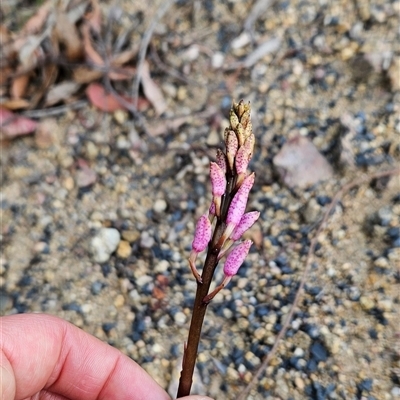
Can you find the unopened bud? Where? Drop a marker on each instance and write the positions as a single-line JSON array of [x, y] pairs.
[[233, 119], [242, 160], [240, 108], [221, 160], [249, 144], [231, 143], [236, 257], [248, 130], [202, 234], [239, 201], [245, 118], [218, 179], [240, 134], [245, 223]]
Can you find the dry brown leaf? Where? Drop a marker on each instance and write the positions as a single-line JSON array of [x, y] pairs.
[[13, 125], [86, 75], [163, 127], [15, 104], [49, 76], [62, 91], [122, 74], [4, 35], [94, 17], [10, 51], [67, 35], [104, 101], [108, 102], [30, 51], [151, 90], [5, 73], [19, 86], [91, 54], [36, 22], [76, 10], [49, 73], [123, 57]]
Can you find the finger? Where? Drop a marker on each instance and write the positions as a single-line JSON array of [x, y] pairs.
[[196, 398], [45, 352]]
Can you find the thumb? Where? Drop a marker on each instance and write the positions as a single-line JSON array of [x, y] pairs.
[[196, 398]]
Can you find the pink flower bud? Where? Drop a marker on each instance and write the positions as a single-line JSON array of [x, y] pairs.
[[242, 160], [202, 234], [249, 144], [221, 160], [236, 257], [239, 201], [245, 223], [212, 208], [218, 179], [231, 143]]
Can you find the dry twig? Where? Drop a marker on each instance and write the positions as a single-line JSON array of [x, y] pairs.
[[314, 241], [49, 112]]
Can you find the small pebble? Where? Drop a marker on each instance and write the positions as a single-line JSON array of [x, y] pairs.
[[119, 301], [366, 303], [160, 205], [180, 318], [130, 235], [104, 244], [124, 249]]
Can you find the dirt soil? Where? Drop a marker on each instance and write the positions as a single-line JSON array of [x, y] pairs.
[[331, 72]]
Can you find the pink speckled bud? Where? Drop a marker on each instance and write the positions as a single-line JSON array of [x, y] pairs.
[[231, 143], [221, 160], [239, 201], [249, 144], [212, 208], [202, 234], [218, 180], [242, 160], [236, 257], [245, 223]]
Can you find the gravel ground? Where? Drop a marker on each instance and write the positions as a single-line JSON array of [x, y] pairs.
[[335, 78]]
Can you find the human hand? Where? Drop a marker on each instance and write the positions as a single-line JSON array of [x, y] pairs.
[[45, 357]]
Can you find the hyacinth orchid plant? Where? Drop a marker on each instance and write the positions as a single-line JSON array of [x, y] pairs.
[[220, 229]]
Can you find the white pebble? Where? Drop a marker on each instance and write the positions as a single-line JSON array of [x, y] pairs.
[[104, 244], [160, 205], [180, 318]]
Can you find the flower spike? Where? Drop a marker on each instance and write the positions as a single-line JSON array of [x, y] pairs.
[[202, 237]]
